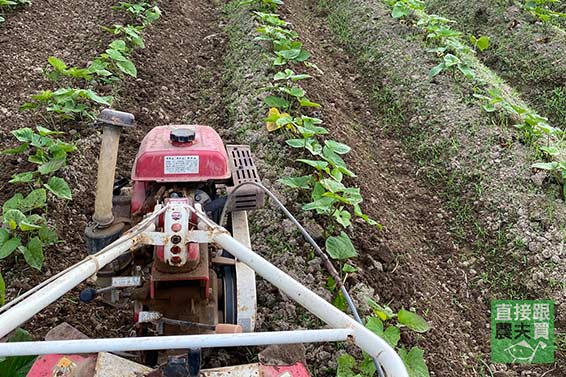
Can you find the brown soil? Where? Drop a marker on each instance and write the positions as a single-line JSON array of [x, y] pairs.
[[422, 260], [70, 30], [178, 80], [418, 253]]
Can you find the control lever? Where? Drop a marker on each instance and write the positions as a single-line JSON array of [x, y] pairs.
[[118, 282]]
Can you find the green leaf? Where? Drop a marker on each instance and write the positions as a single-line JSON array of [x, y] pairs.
[[35, 199], [296, 143], [331, 284], [399, 10], [9, 246], [436, 70], [13, 202], [451, 60], [4, 236], [283, 75], [383, 312], [13, 218], [340, 247], [336, 174], [413, 321], [19, 149], [20, 335], [118, 44], [275, 101], [31, 223], [337, 147], [332, 185], [322, 205], [545, 165], [59, 187], [23, 134], [317, 191], [295, 92], [340, 302], [33, 253], [25, 177], [305, 102], [303, 56], [414, 362], [17, 366], [300, 77], [47, 132], [103, 100], [349, 268], [467, 71], [297, 182], [116, 55], [483, 43], [329, 155], [343, 217], [310, 130], [317, 164], [48, 236], [57, 63], [289, 54], [51, 166], [346, 364], [375, 325], [392, 335], [128, 67], [367, 366]]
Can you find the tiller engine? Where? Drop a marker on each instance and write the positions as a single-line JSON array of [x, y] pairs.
[[174, 240], [185, 287]]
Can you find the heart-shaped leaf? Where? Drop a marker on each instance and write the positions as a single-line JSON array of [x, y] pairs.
[[59, 187]]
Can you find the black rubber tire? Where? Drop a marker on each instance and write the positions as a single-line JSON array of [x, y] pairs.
[[230, 295]]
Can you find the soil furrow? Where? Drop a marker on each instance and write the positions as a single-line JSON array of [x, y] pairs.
[[416, 243], [70, 30], [178, 82], [523, 50]]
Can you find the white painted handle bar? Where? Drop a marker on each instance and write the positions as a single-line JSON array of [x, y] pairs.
[[374, 345]]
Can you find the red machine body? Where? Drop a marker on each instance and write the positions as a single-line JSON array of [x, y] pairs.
[[162, 160], [182, 165]]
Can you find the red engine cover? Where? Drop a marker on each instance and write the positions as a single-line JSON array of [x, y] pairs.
[[161, 160]]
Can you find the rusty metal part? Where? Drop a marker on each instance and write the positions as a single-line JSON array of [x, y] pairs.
[[98, 238], [243, 170], [227, 328], [116, 118], [223, 261], [187, 324], [185, 296]]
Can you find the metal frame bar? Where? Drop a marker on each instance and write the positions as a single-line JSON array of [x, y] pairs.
[[173, 342], [344, 325]]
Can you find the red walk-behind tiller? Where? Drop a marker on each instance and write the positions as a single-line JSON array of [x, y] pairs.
[[192, 280]]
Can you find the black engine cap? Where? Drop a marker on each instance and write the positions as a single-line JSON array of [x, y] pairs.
[[182, 135]]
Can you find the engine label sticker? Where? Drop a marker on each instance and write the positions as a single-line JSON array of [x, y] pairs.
[[181, 164]]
